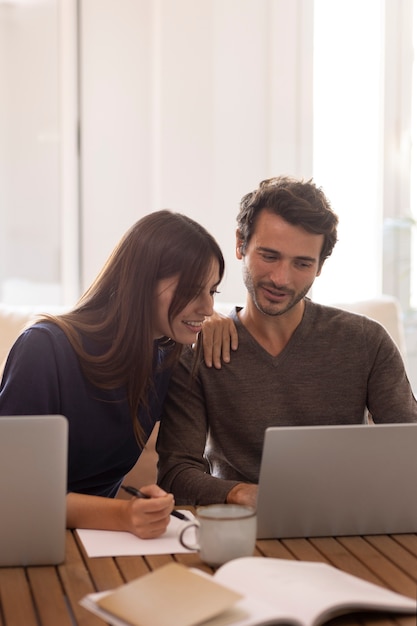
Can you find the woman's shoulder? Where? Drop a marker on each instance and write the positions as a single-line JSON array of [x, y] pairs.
[[43, 328], [43, 335], [41, 347]]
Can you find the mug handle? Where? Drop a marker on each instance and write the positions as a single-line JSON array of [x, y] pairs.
[[181, 536]]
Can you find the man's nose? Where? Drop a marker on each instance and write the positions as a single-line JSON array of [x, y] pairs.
[[281, 273]]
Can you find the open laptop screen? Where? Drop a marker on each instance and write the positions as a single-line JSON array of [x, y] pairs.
[[338, 480], [33, 483]]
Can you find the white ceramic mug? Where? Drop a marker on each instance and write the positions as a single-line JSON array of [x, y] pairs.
[[224, 532]]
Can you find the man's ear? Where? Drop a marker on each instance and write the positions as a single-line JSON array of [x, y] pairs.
[[239, 246]]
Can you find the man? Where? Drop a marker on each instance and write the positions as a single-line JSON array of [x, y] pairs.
[[298, 363]]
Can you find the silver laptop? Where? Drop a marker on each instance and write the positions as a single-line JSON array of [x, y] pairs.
[[320, 481], [33, 484]]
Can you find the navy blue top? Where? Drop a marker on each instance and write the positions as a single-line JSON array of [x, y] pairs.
[[43, 376]]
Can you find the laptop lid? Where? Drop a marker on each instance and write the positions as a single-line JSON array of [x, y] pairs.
[[320, 481], [33, 484]]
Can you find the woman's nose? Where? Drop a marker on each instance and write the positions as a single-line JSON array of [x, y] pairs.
[[205, 304]]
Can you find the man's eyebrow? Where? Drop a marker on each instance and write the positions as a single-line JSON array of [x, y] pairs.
[[270, 250], [312, 259], [277, 252]]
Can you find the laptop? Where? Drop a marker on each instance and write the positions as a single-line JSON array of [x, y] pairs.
[[33, 485], [320, 481]]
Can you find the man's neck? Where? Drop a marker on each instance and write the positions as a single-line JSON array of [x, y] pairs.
[[272, 332]]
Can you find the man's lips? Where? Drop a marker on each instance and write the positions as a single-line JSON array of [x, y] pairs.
[[276, 294]]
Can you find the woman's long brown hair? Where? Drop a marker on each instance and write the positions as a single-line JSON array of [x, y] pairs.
[[116, 311]]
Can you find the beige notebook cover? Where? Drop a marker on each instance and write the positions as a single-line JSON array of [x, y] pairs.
[[170, 595]]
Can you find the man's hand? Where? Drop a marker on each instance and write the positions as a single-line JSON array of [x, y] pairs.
[[243, 493], [219, 336]]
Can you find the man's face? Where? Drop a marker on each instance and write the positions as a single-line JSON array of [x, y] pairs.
[[280, 263]]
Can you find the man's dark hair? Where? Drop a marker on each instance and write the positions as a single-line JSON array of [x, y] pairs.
[[298, 202]]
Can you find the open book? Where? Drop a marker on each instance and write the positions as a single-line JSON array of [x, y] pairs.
[[251, 591]]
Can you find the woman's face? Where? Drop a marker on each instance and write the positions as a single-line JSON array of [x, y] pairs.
[[188, 323]]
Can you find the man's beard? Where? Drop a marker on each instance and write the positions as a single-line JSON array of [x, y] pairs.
[[270, 308]]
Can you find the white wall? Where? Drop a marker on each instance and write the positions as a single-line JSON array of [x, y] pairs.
[[29, 144], [187, 105]]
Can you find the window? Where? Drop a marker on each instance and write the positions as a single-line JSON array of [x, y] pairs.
[[413, 277], [362, 128], [347, 113], [38, 214]]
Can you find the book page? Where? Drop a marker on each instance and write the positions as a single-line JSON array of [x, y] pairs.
[[268, 592], [308, 592]]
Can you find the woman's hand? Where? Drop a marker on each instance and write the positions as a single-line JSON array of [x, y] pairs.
[[145, 517], [149, 518], [219, 336]]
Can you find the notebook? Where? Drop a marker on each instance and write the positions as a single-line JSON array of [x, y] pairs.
[[338, 480], [33, 484]]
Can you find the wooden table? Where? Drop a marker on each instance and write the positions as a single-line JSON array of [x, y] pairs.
[[48, 596]]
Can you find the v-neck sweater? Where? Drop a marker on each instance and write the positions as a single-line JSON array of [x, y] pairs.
[[335, 367]]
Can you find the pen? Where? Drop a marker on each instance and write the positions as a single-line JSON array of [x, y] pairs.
[[138, 494]]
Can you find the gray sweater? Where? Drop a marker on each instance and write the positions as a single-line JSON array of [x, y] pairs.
[[336, 366]]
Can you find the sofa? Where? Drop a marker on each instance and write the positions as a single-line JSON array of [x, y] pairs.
[[384, 309], [13, 319]]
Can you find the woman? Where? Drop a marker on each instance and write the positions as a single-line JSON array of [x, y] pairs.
[[105, 365]]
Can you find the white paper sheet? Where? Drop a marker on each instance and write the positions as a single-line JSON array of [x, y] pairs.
[[115, 543]]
